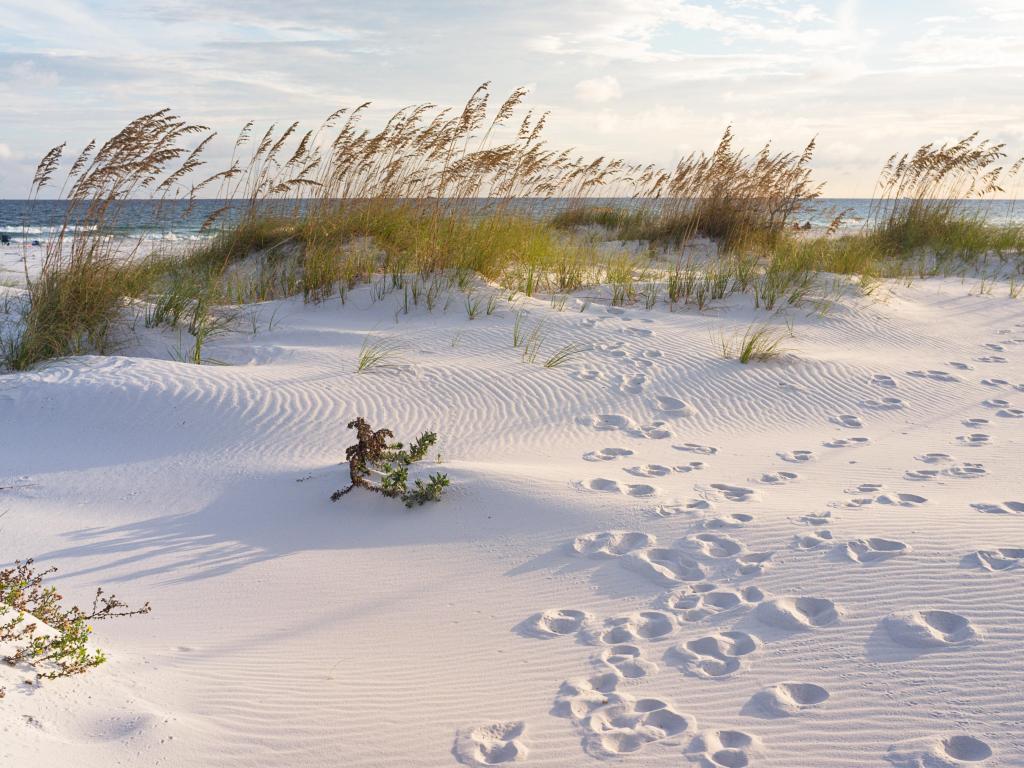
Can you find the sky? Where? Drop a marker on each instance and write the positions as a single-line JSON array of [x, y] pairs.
[[645, 80]]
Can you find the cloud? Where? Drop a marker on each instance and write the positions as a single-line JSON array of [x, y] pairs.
[[639, 79], [598, 90]]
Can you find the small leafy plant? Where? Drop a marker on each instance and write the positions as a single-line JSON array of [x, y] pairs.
[[383, 467], [38, 630]]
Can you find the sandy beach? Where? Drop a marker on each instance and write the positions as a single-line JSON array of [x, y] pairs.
[[653, 552]]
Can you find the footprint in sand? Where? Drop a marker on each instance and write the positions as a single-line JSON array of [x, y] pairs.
[[634, 331], [627, 725], [965, 471], [812, 541], [934, 458], [974, 440], [847, 420], [616, 422], [722, 522], [975, 422], [994, 347], [939, 752], [1010, 413], [705, 450], [586, 374], [556, 622], [795, 457], [921, 474], [864, 488], [778, 478], [882, 380], [642, 625], [724, 749], [630, 385], [735, 493], [994, 382], [937, 375], [1002, 559], [714, 656], [695, 602], [883, 404], [797, 613], [649, 470], [1006, 508], [991, 359], [872, 550], [847, 442], [606, 422], [693, 466], [715, 545], [995, 402], [672, 406], [908, 500], [578, 698], [628, 660], [691, 507], [666, 566], [604, 485], [753, 562], [788, 699], [610, 543], [607, 454], [610, 349], [491, 744], [816, 518], [929, 629]]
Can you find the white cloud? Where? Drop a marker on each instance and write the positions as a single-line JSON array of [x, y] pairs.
[[598, 90], [639, 79]]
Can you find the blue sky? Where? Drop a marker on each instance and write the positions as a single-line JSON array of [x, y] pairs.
[[644, 80]]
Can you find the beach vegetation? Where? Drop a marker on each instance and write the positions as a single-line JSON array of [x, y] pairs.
[[436, 199], [39, 630], [758, 343], [383, 467]]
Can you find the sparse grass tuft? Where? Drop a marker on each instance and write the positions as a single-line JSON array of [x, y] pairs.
[[379, 354], [758, 343], [565, 354]]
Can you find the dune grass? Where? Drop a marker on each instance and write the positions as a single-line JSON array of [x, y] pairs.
[[758, 343], [379, 354], [436, 200]]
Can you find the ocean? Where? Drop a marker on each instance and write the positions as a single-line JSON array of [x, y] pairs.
[[24, 221]]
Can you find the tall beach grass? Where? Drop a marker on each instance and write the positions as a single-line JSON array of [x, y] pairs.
[[438, 199]]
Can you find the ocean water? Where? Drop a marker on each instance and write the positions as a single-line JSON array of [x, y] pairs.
[[24, 221]]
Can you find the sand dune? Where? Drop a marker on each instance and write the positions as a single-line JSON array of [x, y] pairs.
[[652, 554]]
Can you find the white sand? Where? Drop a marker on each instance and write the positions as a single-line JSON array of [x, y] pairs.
[[812, 562]]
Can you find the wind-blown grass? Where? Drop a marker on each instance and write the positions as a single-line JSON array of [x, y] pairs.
[[758, 343], [437, 198], [379, 354]]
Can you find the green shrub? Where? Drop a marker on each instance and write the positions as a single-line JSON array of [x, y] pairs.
[[44, 634], [383, 467]]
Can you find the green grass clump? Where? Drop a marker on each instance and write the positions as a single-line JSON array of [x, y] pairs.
[[758, 343], [379, 354]]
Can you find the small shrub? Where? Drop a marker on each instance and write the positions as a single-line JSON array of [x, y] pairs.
[[36, 629], [383, 467]]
